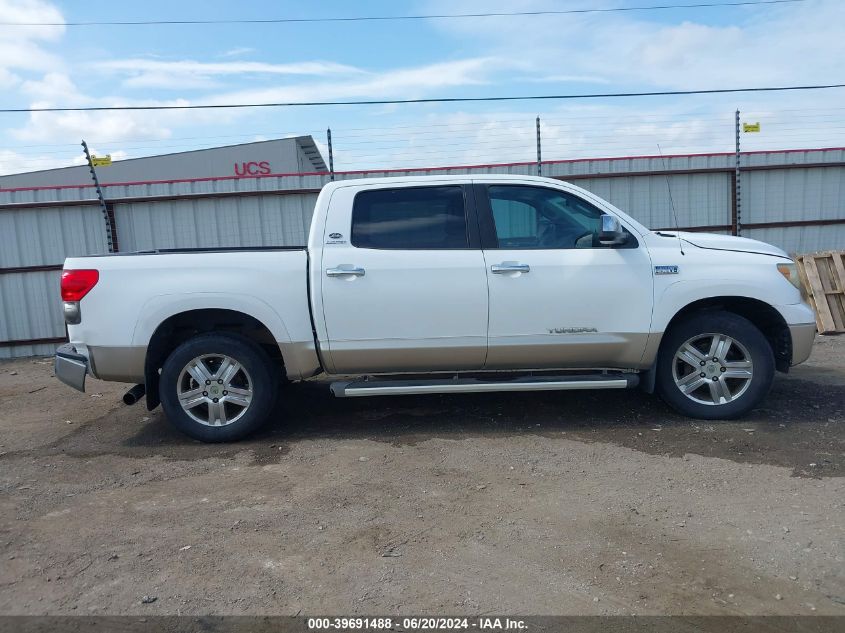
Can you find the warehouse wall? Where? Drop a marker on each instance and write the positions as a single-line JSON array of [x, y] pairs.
[[39, 227], [277, 220], [39, 239], [30, 310], [699, 199], [796, 194]]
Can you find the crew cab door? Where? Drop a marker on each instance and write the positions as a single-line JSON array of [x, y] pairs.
[[558, 298], [404, 286]]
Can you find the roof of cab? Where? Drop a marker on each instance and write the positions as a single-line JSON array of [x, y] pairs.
[[439, 178]]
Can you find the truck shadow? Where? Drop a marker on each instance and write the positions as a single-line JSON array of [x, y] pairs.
[[799, 424]]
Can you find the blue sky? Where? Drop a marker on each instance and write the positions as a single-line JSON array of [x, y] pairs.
[[798, 43]]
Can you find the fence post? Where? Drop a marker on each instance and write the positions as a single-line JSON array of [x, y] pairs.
[[737, 219], [110, 228], [539, 154], [331, 155]]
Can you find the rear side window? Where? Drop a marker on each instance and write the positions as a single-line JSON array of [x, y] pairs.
[[410, 218]]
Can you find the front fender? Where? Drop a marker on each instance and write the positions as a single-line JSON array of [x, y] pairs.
[[678, 295]]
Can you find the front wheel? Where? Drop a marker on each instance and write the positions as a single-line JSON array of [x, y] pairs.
[[217, 387], [714, 365]]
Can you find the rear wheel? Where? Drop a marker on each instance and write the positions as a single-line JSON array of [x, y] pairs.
[[218, 387], [714, 365]]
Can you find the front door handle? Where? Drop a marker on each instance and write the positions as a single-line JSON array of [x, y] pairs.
[[339, 271], [510, 267]]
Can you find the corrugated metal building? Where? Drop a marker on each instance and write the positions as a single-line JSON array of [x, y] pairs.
[[794, 199], [279, 156]]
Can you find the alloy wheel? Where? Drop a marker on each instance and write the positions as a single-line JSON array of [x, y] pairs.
[[712, 369], [214, 389]]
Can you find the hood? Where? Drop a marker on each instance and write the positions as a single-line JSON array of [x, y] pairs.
[[727, 243]]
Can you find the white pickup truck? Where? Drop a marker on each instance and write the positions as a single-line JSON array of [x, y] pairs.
[[419, 285]]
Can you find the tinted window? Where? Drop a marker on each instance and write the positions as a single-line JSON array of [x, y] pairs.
[[534, 217], [409, 218]]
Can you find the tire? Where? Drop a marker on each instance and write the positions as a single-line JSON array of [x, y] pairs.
[[694, 384], [200, 370]]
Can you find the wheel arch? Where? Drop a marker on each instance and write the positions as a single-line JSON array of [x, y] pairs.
[[181, 326], [763, 315]]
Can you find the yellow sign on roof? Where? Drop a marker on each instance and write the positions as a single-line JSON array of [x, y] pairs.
[[751, 127], [101, 161]]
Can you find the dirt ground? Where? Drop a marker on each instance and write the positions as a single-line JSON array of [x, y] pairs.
[[543, 503]]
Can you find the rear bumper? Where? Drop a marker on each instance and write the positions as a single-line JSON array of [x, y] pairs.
[[72, 364], [803, 335]]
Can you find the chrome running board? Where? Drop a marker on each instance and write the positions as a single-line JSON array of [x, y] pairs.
[[357, 388]]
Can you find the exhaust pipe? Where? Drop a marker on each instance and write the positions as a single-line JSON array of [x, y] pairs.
[[133, 395]]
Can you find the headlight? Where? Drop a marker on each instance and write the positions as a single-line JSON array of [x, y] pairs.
[[790, 272]]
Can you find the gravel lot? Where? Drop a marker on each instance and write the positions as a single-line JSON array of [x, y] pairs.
[[547, 503]]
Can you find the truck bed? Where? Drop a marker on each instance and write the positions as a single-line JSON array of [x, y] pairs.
[[137, 292]]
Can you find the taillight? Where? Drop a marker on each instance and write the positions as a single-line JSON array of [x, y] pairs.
[[78, 283]]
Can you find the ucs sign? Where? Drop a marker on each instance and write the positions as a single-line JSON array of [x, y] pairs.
[[252, 168]]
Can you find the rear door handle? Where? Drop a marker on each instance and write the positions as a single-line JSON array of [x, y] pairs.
[[510, 267], [340, 271]]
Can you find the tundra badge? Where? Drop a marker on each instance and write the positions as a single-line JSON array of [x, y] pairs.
[[665, 270]]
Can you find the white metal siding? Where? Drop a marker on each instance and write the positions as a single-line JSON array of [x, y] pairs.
[[699, 199], [30, 305], [24, 351], [30, 308], [779, 195], [45, 236], [271, 220], [802, 239]]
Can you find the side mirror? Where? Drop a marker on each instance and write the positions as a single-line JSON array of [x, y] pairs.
[[612, 233]]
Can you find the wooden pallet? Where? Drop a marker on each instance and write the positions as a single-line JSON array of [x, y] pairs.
[[823, 277]]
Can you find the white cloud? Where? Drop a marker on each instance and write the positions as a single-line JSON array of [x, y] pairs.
[[51, 88], [171, 81], [8, 80], [777, 44], [237, 51], [55, 127], [181, 74], [403, 82], [226, 68], [580, 79], [21, 48], [70, 127], [54, 89], [12, 162]]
